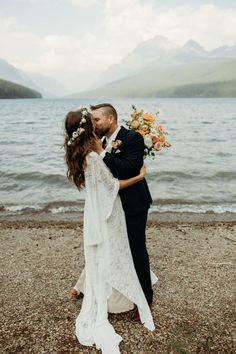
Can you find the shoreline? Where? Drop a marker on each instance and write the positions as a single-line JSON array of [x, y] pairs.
[[153, 217]]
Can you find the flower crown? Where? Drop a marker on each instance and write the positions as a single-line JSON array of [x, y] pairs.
[[79, 130]]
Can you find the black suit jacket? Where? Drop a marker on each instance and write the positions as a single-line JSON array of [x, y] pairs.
[[125, 162]]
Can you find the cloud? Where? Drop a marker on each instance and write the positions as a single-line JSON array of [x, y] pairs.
[[139, 21], [77, 57], [84, 3]]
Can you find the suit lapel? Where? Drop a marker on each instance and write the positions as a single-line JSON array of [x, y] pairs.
[[122, 133], [120, 136]]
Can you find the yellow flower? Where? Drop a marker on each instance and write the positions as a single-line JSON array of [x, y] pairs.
[[161, 139]]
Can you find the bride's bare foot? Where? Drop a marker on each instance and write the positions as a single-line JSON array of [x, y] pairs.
[[74, 294], [136, 316]]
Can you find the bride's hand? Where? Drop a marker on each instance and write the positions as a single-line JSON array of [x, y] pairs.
[[142, 172], [97, 145]]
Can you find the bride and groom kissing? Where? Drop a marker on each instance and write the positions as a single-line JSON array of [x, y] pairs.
[[108, 160]]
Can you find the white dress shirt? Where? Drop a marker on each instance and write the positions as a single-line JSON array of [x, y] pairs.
[[109, 142]]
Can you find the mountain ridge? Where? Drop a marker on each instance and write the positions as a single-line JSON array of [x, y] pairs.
[[164, 78], [141, 70], [160, 51], [11, 90], [36, 82]]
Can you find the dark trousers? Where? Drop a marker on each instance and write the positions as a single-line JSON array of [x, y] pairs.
[[136, 225]]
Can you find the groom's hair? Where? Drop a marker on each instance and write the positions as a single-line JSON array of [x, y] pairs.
[[107, 108]]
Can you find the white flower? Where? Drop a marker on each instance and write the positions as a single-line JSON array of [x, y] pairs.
[[140, 120], [83, 120], [75, 135], [81, 107], [68, 142], [153, 131], [148, 141]]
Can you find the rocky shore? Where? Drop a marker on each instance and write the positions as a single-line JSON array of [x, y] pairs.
[[194, 303]]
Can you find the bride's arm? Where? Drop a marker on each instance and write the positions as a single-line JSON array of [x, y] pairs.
[[124, 183]]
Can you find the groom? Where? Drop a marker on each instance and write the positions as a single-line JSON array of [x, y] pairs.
[[124, 157]]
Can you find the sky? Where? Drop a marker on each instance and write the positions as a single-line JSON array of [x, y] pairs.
[[74, 41]]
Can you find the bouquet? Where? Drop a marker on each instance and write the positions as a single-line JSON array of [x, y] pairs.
[[154, 135]]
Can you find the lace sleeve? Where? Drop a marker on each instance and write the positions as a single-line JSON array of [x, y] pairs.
[[101, 183]]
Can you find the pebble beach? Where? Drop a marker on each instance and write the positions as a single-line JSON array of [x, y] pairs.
[[194, 301]]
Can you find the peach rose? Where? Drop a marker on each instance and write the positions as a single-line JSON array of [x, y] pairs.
[[158, 146], [148, 118], [135, 124], [160, 128], [134, 115], [154, 139]]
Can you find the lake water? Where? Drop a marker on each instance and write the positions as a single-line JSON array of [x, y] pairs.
[[197, 174]]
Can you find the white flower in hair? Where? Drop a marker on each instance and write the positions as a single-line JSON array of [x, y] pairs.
[[75, 135], [69, 142], [83, 120]]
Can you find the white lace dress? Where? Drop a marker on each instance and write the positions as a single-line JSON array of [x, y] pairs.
[[108, 260]]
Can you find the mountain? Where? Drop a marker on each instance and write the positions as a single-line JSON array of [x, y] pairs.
[[144, 54], [159, 67], [224, 52], [164, 81], [10, 73], [12, 90], [47, 86]]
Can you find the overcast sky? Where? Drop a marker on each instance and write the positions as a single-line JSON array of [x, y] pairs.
[[74, 40]]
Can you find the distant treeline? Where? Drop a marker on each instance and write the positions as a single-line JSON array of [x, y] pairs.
[[214, 89], [11, 90]]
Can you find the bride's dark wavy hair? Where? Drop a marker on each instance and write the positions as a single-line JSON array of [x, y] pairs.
[[77, 149]]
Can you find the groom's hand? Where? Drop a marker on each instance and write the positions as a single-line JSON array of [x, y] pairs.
[[97, 146]]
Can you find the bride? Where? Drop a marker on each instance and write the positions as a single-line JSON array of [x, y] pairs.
[[108, 260]]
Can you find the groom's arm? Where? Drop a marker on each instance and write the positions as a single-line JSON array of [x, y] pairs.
[[131, 161]]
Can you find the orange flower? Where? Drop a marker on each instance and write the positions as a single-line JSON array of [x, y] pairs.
[[154, 139], [81, 131], [115, 144], [141, 131], [134, 115], [148, 118], [158, 146], [161, 139], [135, 124]]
